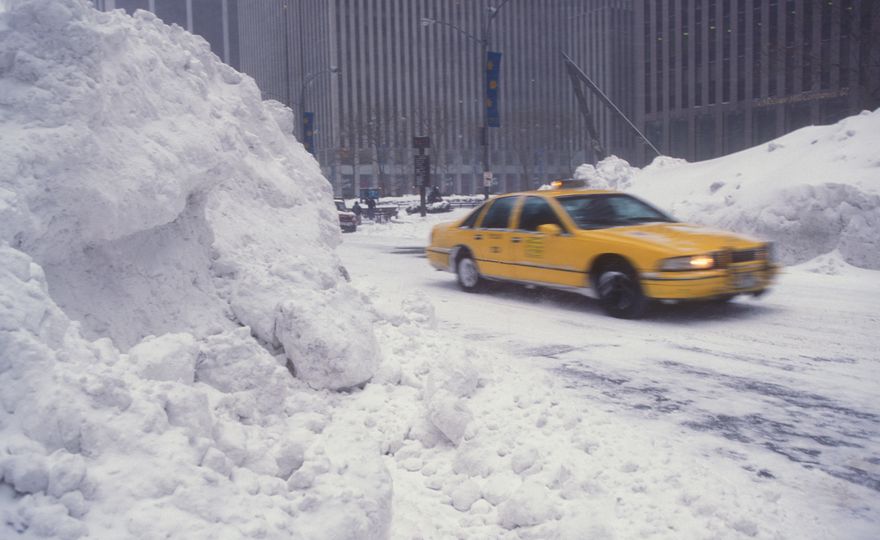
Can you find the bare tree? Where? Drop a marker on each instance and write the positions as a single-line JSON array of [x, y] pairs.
[[528, 133], [369, 136]]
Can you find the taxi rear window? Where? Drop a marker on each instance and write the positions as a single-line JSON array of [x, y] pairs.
[[498, 215], [469, 222]]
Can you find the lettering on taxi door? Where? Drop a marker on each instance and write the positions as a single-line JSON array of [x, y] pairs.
[[534, 248]]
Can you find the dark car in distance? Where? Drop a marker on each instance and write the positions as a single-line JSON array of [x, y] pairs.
[[347, 219]]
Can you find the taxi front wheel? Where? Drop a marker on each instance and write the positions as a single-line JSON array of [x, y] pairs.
[[619, 292], [468, 275]]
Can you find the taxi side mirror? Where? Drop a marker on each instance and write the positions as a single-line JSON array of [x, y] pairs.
[[550, 229]]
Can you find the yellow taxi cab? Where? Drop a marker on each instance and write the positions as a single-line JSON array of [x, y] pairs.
[[609, 245]]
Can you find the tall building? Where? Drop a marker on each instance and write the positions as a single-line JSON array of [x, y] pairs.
[[376, 73], [717, 76], [409, 68]]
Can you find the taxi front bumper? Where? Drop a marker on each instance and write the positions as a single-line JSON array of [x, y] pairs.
[[693, 285]]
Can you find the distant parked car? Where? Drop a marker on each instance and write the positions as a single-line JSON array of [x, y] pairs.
[[347, 219], [431, 208]]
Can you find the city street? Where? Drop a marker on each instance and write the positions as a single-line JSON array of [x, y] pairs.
[[791, 374]]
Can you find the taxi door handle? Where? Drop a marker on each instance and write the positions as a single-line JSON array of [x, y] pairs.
[[478, 237], [515, 240]]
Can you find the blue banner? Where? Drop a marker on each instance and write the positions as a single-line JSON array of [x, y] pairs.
[[308, 131], [493, 73]]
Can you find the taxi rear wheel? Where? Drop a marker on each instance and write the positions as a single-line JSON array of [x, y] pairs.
[[619, 291], [469, 278]]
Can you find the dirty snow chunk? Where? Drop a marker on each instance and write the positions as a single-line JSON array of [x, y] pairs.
[[189, 408], [234, 362], [27, 474], [457, 375], [450, 415], [289, 456], [500, 486], [582, 526], [531, 504], [66, 473], [170, 357], [25, 304], [417, 307], [328, 349], [610, 173], [523, 458], [424, 431], [465, 495], [746, 527]]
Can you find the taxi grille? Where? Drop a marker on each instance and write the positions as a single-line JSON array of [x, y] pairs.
[[746, 255], [725, 257]]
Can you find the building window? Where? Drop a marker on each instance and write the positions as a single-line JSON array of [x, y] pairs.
[[807, 59], [713, 83], [131, 5], [208, 23], [763, 125], [757, 50], [172, 11], [705, 137], [734, 132], [773, 47]]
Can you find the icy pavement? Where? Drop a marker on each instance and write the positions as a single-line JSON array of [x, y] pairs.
[[783, 387]]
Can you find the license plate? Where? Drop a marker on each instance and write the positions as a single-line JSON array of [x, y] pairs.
[[745, 281]]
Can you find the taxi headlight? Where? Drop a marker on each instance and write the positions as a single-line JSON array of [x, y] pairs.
[[694, 262]]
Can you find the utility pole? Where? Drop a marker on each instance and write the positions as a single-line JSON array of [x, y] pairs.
[[489, 65], [307, 119], [423, 169]]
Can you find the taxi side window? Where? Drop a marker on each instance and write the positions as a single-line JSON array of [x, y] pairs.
[[472, 219], [535, 212], [498, 215]]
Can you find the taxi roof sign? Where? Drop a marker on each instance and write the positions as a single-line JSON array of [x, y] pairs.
[[568, 183]]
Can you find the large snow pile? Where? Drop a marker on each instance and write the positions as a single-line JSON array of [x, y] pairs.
[[166, 260], [160, 194], [812, 191]]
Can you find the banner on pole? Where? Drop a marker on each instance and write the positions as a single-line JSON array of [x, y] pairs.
[[308, 121], [493, 74]]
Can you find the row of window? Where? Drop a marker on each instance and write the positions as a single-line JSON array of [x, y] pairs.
[[785, 47]]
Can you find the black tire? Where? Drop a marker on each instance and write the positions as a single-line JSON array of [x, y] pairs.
[[468, 275], [619, 291]]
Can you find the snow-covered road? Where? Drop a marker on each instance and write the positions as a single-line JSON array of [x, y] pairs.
[[793, 374]]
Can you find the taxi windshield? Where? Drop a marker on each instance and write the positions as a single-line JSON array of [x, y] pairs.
[[609, 210]]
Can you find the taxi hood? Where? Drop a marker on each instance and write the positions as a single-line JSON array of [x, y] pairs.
[[683, 238]]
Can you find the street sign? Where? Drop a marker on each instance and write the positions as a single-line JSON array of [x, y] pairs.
[[421, 142], [487, 178], [423, 166]]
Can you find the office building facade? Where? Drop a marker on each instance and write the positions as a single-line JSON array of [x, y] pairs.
[[717, 76], [376, 73]]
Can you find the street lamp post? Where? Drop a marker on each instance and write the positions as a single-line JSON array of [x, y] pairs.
[[484, 42], [302, 97]]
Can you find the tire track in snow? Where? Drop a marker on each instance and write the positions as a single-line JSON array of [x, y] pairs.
[[806, 427]]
